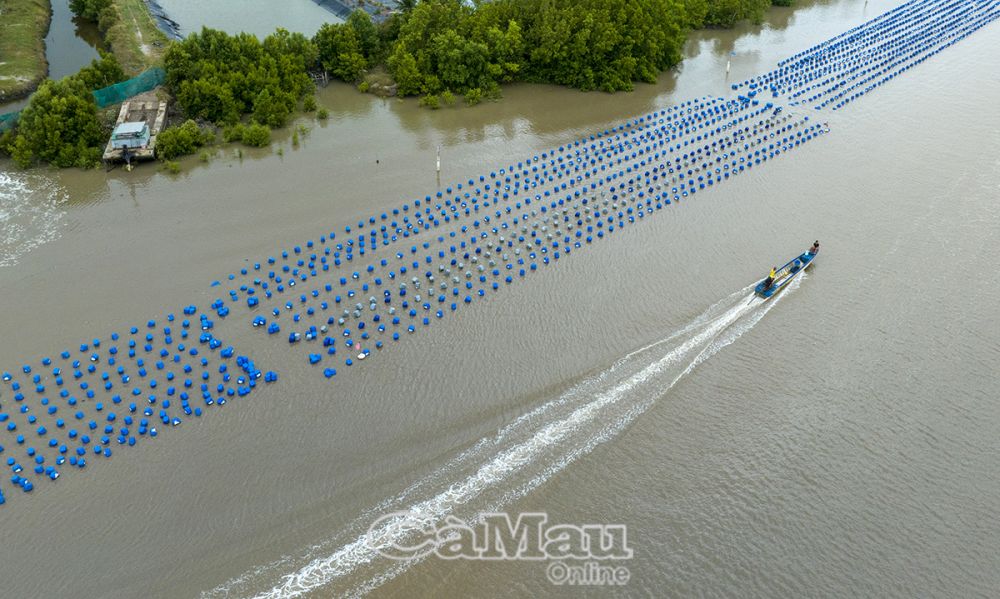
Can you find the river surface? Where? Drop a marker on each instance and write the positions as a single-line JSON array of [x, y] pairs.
[[839, 442], [258, 17], [72, 42]]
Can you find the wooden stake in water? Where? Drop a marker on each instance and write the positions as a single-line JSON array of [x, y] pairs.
[[439, 167]]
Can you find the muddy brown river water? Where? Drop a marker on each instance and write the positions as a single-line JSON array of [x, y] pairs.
[[841, 441]]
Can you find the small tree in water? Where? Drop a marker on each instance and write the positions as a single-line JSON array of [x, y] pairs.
[[182, 140], [256, 135]]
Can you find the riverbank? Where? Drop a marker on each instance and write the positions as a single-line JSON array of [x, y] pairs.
[[22, 46], [136, 39]]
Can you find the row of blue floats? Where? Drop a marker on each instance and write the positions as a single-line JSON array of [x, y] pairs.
[[116, 392], [461, 244], [848, 66], [111, 393], [417, 286]]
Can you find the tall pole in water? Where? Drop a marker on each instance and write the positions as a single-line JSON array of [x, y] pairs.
[[439, 166]]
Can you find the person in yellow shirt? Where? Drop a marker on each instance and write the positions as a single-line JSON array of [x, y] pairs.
[[770, 278]]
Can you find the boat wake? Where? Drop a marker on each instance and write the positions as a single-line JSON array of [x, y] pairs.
[[29, 215], [501, 469]]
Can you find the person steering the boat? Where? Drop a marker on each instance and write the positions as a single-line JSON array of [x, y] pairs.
[[770, 278], [815, 248]]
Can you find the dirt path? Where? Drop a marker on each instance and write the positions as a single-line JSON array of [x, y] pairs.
[[146, 48]]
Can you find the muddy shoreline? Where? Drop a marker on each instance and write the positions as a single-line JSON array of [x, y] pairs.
[[167, 25]]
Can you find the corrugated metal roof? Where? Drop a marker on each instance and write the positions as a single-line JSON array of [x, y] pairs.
[[136, 127]]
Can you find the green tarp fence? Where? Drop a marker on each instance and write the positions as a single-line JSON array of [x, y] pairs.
[[114, 94], [119, 92], [7, 120]]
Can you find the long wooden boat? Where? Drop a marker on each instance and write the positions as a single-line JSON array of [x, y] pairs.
[[784, 275]]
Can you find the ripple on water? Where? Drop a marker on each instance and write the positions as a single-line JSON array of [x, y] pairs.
[[30, 214]]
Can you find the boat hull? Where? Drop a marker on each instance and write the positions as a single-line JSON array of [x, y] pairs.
[[785, 275]]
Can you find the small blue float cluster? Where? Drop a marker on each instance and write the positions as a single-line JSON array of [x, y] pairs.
[[111, 393], [848, 66]]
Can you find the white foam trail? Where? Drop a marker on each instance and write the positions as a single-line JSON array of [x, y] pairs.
[[728, 336], [705, 316], [514, 450], [29, 215]]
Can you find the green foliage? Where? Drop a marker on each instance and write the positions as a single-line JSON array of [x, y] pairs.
[[272, 110], [101, 73], [364, 86], [492, 92], [471, 48], [233, 133], [430, 101], [89, 9], [447, 98], [6, 140], [605, 45], [782, 2], [174, 168], [388, 31], [587, 44], [403, 66], [173, 142], [309, 103], [107, 19], [460, 62], [256, 135], [322, 114], [340, 51], [59, 126], [219, 77], [473, 96], [726, 13], [366, 34]]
